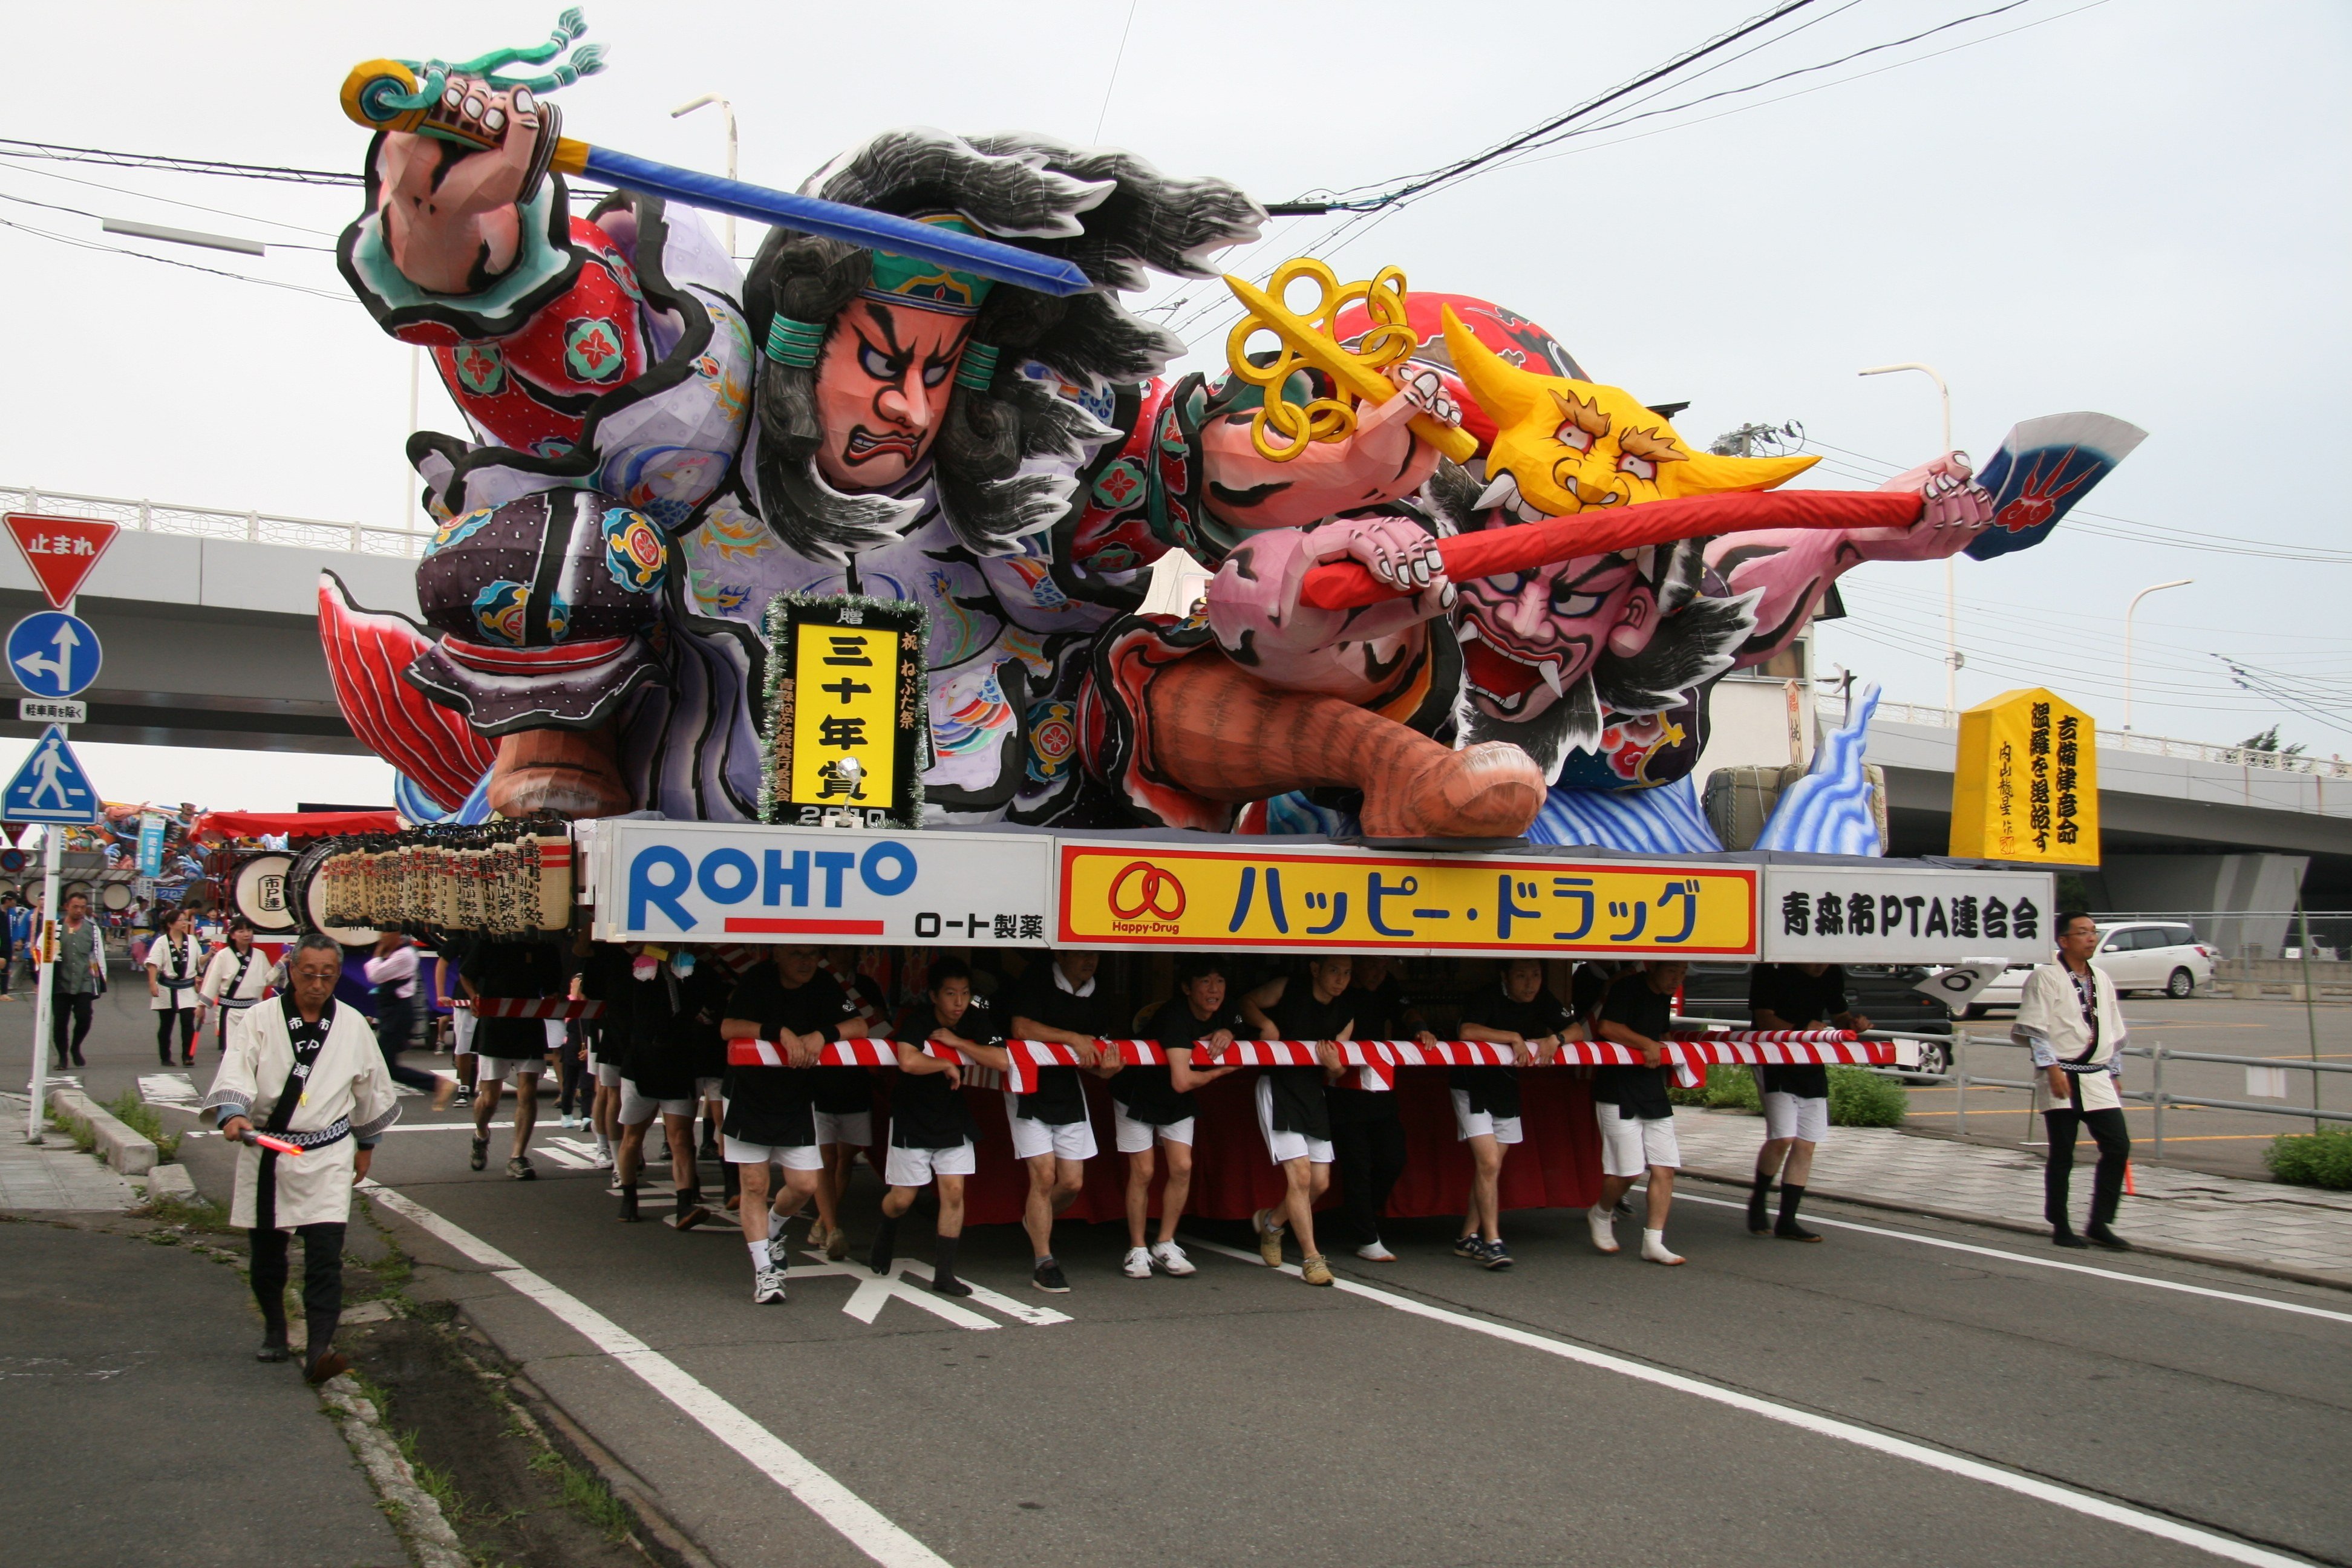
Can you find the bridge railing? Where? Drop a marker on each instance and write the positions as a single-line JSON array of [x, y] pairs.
[[1937, 717], [215, 522]]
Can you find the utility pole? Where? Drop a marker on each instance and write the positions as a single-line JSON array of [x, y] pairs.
[[1951, 615]]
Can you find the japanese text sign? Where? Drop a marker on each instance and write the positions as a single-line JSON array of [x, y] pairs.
[[1836, 914], [745, 882], [1131, 895], [847, 710], [61, 550], [2026, 783]]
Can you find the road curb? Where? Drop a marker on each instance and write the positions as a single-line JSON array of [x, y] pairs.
[[666, 1541], [415, 1515], [2178, 1254], [130, 1154]]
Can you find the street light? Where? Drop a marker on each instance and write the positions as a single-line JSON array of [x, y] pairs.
[[729, 110], [1951, 626], [2144, 593]]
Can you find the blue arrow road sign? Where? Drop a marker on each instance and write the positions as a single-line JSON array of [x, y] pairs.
[[53, 654], [51, 786]]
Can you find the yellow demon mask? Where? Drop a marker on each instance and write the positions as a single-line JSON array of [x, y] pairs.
[[1564, 447]]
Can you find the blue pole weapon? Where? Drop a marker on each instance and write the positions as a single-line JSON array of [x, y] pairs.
[[451, 101]]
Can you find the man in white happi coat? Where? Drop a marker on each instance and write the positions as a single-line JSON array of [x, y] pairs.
[[304, 1070], [2069, 1019]]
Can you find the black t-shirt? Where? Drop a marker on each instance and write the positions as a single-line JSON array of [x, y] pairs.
[[1379, 1010], [849, 1091], [776, 1105], [1147, 1092], [925, 1112], [1299, 1104], [1587, 989], [640, 1023], [1802, 1001], [1039, 997], [1636, 1091], [1495, 1090], [526, 969]]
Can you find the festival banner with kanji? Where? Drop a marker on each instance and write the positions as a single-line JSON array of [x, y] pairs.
[[1351, 900], [847, 714], [2026, 783]]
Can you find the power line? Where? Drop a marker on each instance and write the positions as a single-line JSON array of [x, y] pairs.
[[173, 261], [53, 206], [169, 201], [165, 161]]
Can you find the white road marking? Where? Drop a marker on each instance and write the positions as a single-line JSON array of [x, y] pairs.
[[2307, 1312], [857, 1521], [172, 1088], [1825, 1425]]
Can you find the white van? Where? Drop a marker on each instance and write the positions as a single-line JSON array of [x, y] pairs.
[[2138, 955]]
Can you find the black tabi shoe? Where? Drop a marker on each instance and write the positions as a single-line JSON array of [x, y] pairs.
[[628, 1206], [2063, 1236], [2099, 1235], [1790, 1230], [273, 1350]]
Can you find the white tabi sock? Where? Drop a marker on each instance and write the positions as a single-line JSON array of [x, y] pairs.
[[604, 1143], [760, 1255], [1653, 1248]]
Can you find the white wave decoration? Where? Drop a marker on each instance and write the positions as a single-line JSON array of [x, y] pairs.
[[1828, 812]]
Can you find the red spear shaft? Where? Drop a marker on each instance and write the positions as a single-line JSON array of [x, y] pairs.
[[1492, 551]]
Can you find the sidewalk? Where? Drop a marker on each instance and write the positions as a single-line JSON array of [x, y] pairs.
[[53, 1175], [146, 1429], [2302, 1233]]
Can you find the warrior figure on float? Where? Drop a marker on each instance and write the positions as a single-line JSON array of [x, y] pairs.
[[661, 447]]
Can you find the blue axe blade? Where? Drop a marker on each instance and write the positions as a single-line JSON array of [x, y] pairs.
[[837, 220], [2045, 465]]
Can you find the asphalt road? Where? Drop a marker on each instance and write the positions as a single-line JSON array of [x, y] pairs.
[[1876, 1398], [2228, 1141]]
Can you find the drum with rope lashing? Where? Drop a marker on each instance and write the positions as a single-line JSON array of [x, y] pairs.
[[114, 896], [259, 890], [305, 896]]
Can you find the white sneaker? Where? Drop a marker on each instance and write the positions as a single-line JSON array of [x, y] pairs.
[[1172, 1259], [1137, 1264], [1653, 1248], [1605, 1228], [767, 1284], [603, 1159], [1374, 1252], [570, 1121]]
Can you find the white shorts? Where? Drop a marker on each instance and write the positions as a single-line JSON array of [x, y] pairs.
[[608, 1075], [1138, 1137], [1063, 1140], [1469, 1124], [916, 1167], [497, 1070], [1805, 1116], [1287, 1146], [711, 1088], [791, 1156], [556, 1035], [856, 1130], [1630, 1146], [635, 1108], [461, 1031]]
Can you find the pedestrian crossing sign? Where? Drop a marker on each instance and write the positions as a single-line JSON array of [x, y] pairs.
[[50, 785]]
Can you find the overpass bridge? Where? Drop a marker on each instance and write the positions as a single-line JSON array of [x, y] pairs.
[[210, 620]]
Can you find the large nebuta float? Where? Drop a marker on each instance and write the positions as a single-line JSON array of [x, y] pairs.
[[1461, 588]]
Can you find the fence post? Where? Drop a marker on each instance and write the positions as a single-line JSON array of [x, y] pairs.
[[2155, 1095], [253, 526], [1960, 1083], [146, 516]]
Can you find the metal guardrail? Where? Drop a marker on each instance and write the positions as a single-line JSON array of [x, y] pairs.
[[1937, 717], [213, 522], [2156, 1097]]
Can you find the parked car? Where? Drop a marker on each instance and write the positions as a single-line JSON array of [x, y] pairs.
[[2138, 955], [1885, 994]]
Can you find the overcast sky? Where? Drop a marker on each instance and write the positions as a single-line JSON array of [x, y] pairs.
[[2135, 206]]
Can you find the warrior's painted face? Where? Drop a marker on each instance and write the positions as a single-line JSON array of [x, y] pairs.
[[882, 385], [1528, 636]]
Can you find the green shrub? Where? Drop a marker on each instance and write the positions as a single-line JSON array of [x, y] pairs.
[[1729, 1086], [1859, 1097], [2312, 1159], [140, 1118]]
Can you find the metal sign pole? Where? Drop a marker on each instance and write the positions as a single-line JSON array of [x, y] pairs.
[[45, 937]]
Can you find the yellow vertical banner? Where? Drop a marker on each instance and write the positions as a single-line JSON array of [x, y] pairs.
[[2025, 784], [847, 721]]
